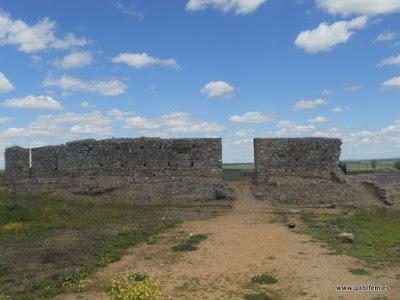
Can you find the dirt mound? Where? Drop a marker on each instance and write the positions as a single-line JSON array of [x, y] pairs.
[[315, 192]]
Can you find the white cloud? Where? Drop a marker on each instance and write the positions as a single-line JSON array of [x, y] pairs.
[[33, 38], [392, 83], [327, 93], [5, 84], [252, 117], [326, 37], [359, 7], [129, 10], [92, 129], [4, 120], [239, 7], [74, 60], [143, 60], [104, 87], [393, 60], [86, 104], [141, 123], [386, 36], [176, 122], [218, 89], [69, 126], [287, 127], [318, 119], [340, 109], [244, 132], [31, 101], [118, 114], [309, 104]]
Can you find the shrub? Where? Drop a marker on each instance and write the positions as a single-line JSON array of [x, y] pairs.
[[264, 279], [78, 282], [373, 164], [190, 243], [133, 290], [13, 227], [396, 165], [4, 296]]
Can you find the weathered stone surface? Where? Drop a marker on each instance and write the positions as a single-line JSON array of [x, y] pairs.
[[300, 171], [147, 170], [385, 183], [304, 157]]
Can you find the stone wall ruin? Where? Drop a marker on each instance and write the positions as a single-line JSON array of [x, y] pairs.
[[173, 168], [304, 157]]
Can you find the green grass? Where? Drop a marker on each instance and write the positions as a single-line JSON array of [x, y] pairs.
[[51, 243], [376, 232], [232, 171], [365, 166], [359, 271], [190, 244], [264, 279]]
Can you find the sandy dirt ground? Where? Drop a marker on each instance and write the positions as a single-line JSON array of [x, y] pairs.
[[243, 243]]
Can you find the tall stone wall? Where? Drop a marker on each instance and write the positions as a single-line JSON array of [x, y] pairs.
[[91, 166], [142, 159], [304, 157]]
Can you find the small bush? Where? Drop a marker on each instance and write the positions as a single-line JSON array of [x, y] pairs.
[[13, 227], [132, 290], [264, 279], [78, 282], [373, 164], [4, 296], [190, 243], [137, 277], [396, 165]]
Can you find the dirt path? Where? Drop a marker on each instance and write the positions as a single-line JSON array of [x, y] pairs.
[[244, 243]]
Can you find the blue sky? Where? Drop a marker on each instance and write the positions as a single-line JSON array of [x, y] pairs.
[[235, 69]]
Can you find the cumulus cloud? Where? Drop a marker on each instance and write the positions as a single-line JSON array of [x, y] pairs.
[[103, 87], [36, 102], [218, 89], [74, 60], [359, 7], [33, 38], [327, 36], [4, 120], [68, 126], [386, 36], [393, 60], [252, 117], [392, 83], [286, 127], [318, 119], [239, 7], [309, 104], [244, 132], [143, 60], [5, 84], [340, 109], [86, 104], [175, 122]]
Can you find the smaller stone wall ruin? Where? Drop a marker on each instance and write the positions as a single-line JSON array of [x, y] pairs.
[[304, 157]]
